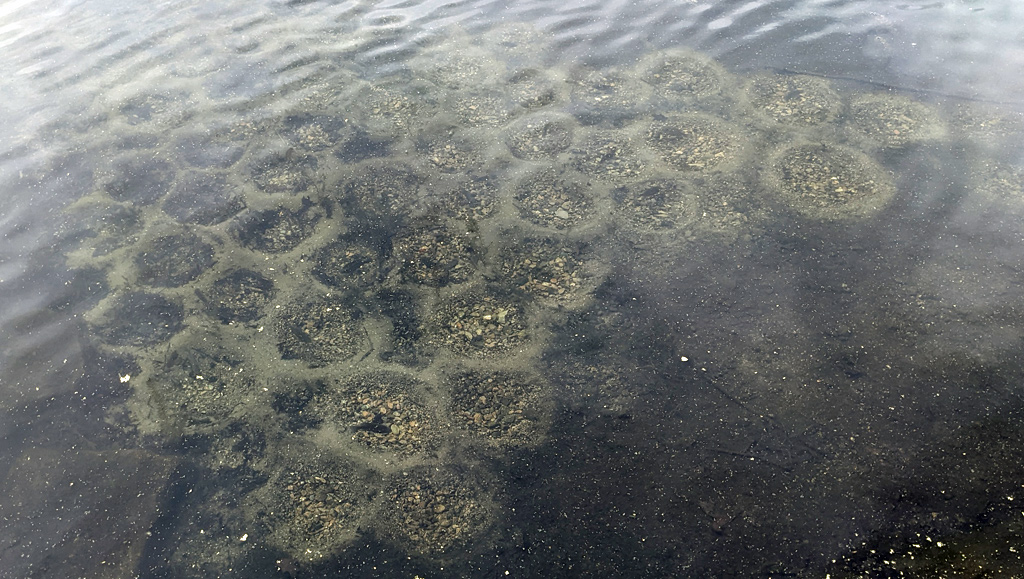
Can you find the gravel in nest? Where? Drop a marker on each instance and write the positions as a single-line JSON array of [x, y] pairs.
[[478, 325], [319, 333], [434, 256]]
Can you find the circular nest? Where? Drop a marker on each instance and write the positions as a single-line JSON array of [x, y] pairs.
[[505, 408], [608, 155], [550, 200], [241, 296], [319, 333], [381, 410], [543, 268], [694, 143], [513, 41], [655, 204], [486, 109], [540, 136], [431, 511], [203, 198], [140, 178], [289, 173], [724, 203], [393, 113], [313, 132], [140, 319], [433, 256], [894, 121], [201, 386], [106, 225], [315, 508], [988, 125], [173, 260], [827, 181], [452, 153], [532, 89], [683, 74], [471, 200], [1002, 184], [277, 230], [202, 150], [607, 97], [795, 99], [476, 324], [169, 109], [450, 66], [347, 265], [386, 188]]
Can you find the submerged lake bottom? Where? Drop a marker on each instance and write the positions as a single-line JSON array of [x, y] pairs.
[[472, 317]]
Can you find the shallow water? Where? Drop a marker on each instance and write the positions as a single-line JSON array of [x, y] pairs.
[[462, 289]]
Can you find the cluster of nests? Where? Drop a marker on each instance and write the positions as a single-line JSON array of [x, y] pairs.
[[314, 272], [314, 507]]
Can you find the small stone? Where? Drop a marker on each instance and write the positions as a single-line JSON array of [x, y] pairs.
[[562, 214]]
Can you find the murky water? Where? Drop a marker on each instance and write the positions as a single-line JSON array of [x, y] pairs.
[[670, 289]]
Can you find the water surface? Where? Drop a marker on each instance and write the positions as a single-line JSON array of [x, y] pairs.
[[658, 289]]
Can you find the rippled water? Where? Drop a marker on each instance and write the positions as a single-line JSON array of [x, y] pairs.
[[655, 289]]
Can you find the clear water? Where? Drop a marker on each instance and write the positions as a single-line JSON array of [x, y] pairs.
[[655, 289]]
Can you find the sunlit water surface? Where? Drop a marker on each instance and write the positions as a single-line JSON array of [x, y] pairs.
[[468, 289]]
